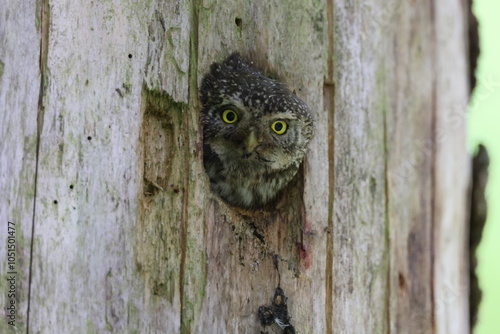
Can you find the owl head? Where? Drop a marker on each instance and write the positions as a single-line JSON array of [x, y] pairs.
[[255, 132]]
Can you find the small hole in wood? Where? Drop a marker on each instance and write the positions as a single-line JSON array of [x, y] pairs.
[[55, 201], [130, 56], [175, 188], [89, 138], [71, 187], [238, 21], [402, 281]]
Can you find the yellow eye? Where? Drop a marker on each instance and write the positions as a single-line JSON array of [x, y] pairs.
[[229, 116], [279, 127]]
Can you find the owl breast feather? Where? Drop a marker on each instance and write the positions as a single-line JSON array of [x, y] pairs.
[[244, 186]]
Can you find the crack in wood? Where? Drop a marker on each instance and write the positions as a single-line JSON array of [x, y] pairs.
[[44, 51], [433, 229], [329, 105], [186, 298]]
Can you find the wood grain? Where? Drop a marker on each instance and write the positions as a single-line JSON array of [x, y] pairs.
[[368, 238]]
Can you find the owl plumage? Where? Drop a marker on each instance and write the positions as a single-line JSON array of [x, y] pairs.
[[255, 133]]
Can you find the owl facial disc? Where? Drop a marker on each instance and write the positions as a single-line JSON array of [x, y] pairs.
[[255, 133]]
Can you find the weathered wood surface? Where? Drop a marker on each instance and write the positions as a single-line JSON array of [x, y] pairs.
[[451, 171], [19, 100], [127, 237]]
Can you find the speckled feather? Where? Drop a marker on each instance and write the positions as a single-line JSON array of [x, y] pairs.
[[251, 179]]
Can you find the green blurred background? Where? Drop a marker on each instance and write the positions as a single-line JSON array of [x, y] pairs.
[[484, 127]]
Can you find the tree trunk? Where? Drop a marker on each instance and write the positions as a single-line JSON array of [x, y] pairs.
[[116, 229]]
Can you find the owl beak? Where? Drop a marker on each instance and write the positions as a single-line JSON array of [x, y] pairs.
[[251, 142]]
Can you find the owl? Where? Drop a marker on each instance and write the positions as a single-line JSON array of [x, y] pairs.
[[255, 133]]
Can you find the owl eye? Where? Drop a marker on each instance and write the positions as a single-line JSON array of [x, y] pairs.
[[229, 116], [279, 127]]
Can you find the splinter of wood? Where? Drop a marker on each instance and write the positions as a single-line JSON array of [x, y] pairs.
[[277, 313]]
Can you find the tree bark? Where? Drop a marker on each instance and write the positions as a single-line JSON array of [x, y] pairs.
[[116, 227]]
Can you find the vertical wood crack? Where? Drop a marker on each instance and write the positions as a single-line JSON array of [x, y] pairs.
[[433, 226], [187, 316], [387, 226], [329, 105], [44, 51]]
